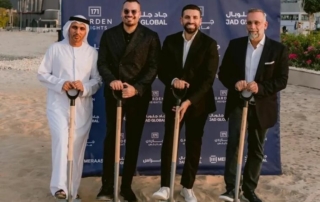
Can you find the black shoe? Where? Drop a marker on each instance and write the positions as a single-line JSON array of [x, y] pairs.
[[128, 194], [105, 193], [251, 196], [228, 195]]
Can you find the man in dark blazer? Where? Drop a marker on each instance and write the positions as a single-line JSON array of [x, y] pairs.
[[189, 58], [128, 55], [252, 65]]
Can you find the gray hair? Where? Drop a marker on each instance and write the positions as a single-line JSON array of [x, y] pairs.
[[254, 10]]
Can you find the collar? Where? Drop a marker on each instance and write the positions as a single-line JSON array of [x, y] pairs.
[[191, 37], [126, 33]]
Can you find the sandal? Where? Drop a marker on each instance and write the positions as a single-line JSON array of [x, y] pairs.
[[60, 194]]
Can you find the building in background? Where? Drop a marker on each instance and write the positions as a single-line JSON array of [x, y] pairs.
[[294, 18], [36, 13]]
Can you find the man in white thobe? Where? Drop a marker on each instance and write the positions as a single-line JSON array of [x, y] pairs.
[[69, 64]]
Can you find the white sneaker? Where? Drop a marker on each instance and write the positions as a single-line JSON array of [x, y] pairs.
[[162, 194], [188, 195]]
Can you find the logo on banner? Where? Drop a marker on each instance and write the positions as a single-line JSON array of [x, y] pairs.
[[93, 161], [205, 25], [216, 117], [155, 118], [183, 141], [95, 119], [223, 138], [265, 159], [236, 18], [223, 97], [94, 11], [214, 159], [182, 159], [218, 48], [122, 139], [96, 20], [90, 143], [156, 98], [154, 140], [121, 162], [157, 18], [150, 160]]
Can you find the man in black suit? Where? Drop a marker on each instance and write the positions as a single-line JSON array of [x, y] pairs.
[[256, 65], [195, 68], [128, 55]]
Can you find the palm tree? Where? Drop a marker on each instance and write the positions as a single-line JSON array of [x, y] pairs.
[[311, 7]]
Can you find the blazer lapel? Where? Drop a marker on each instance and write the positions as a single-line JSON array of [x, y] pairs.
[[242, 53], [136, 39], [179, 52], [195, 45], [263, 58], [117, 42]]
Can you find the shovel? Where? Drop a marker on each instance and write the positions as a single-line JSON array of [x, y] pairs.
[[117, 94], [241, 144], [178, 94], [72, 95]]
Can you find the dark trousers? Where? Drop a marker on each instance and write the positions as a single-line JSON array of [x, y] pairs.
[[135, 110], [255, 154], [194, 128]]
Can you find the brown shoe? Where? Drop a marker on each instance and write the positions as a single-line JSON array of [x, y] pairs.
[[60, 194]]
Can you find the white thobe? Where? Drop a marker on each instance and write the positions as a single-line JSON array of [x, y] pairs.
[[61, 63]]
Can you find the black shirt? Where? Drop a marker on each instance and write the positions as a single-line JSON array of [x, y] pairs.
[[127, 36]]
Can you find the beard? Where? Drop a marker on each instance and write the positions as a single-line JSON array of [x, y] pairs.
[[253, 35], [190, 30], [131, 23]]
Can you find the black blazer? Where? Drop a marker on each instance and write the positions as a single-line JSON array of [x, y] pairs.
[[136, 63], [271, 78], [199, 71]]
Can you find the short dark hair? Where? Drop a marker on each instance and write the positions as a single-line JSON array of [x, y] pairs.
[[131, 1], [191, 7]]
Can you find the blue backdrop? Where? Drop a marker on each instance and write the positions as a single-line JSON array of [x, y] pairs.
[[222, 20]]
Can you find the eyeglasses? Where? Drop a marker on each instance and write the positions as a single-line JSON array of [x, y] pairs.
[[127, 11]]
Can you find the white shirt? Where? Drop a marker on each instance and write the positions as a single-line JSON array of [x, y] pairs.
[[252, 61], [186, 48]]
